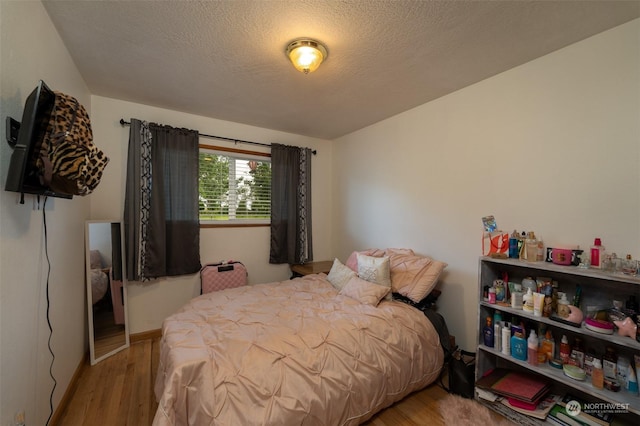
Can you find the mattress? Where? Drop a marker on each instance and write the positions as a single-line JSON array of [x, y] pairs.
[[291, 352]]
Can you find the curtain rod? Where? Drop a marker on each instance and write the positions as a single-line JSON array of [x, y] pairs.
[[236, 141]]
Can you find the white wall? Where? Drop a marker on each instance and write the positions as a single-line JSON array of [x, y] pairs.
[[150, 303], [31, 50], [551, 146]]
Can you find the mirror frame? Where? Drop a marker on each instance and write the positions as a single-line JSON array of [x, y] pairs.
[[92, 351]]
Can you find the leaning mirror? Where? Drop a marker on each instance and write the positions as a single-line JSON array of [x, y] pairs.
[[106, 289]]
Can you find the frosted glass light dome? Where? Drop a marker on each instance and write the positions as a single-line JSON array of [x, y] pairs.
[[306, 55]]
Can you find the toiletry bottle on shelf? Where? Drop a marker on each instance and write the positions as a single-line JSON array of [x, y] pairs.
[[610, 364], [488, 333], [629, 266], [492, 295], [506, 339], [497, 331], [597, 252], [632, 382], [521, 246], [547, 346], [577, 352], [597, 375], [541, 253], [519, 347], [513, 245], [565, 349], [531, 247], [532, 348], [527, 302]]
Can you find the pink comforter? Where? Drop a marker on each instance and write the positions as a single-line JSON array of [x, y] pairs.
[[290, 353]]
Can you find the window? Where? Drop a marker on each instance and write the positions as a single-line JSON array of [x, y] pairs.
[[235, 188]]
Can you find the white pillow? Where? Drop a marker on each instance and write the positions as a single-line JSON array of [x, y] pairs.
[[364, 291], [339, 275], [375, 270]]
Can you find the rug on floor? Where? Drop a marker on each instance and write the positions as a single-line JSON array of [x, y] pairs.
[[459, 411]]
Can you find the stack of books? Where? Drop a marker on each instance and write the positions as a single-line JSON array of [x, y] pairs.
[[525, 393], [519, 386]]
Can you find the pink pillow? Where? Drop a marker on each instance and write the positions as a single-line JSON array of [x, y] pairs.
[[364, 291], [391, 251], [352, 260], [414, 276]]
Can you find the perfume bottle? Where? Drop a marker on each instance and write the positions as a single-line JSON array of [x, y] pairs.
[[629, 266], [597, 251], [488, 333]]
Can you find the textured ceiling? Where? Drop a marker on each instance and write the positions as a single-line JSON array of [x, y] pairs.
[[225, 59]]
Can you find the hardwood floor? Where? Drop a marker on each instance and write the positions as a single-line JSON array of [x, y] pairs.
[[118, 391]]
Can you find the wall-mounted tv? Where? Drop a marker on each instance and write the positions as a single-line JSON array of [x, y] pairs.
[[23, 175]]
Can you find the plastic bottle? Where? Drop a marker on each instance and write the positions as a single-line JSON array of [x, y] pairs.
[[513, 245], [547, 346], [597, 375], [532, 348], [492, 295], [506, 339], [527, 300], [597, 252], [565, 349], [497, 331], [632, 382], [488, 333], [519, 347]]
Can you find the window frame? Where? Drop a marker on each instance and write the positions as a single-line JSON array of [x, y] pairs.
[[234, 223]]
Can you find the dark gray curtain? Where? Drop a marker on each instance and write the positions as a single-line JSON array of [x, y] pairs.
[[162, 229], [291, 240], [116, 252]]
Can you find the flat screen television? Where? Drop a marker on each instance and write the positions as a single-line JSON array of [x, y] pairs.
[[23, 175]]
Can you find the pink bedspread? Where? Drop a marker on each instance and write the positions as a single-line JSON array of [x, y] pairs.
[[290, 353]]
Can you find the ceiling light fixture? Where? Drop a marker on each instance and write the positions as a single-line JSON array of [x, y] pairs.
[[306, 54]]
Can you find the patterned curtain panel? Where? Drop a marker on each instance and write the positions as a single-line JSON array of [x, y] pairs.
[[291, 240], [162, 229]]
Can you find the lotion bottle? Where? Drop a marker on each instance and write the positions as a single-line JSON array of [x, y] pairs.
[[532, 348]]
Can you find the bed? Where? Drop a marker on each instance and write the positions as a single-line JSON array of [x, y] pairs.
[[303, 351]]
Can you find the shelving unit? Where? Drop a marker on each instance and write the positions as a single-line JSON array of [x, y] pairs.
[[599, 289]]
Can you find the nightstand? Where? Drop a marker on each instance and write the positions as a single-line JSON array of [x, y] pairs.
[[300, 270]]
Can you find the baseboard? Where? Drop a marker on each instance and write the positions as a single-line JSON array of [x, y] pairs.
[[68, 394], [145, 335]]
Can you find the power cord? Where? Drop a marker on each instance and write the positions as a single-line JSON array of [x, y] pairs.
[[53, 357]]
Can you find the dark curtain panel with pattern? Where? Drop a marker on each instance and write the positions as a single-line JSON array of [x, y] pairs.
[[162, 229], [291, 240]]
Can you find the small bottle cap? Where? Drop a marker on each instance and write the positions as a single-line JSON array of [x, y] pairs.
[[597, 242]]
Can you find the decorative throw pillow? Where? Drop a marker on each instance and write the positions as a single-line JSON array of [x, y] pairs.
[[339, 275], [414, 276], [364, 291], [352, 260], [95, 259], [392, 251], [375, 270]]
